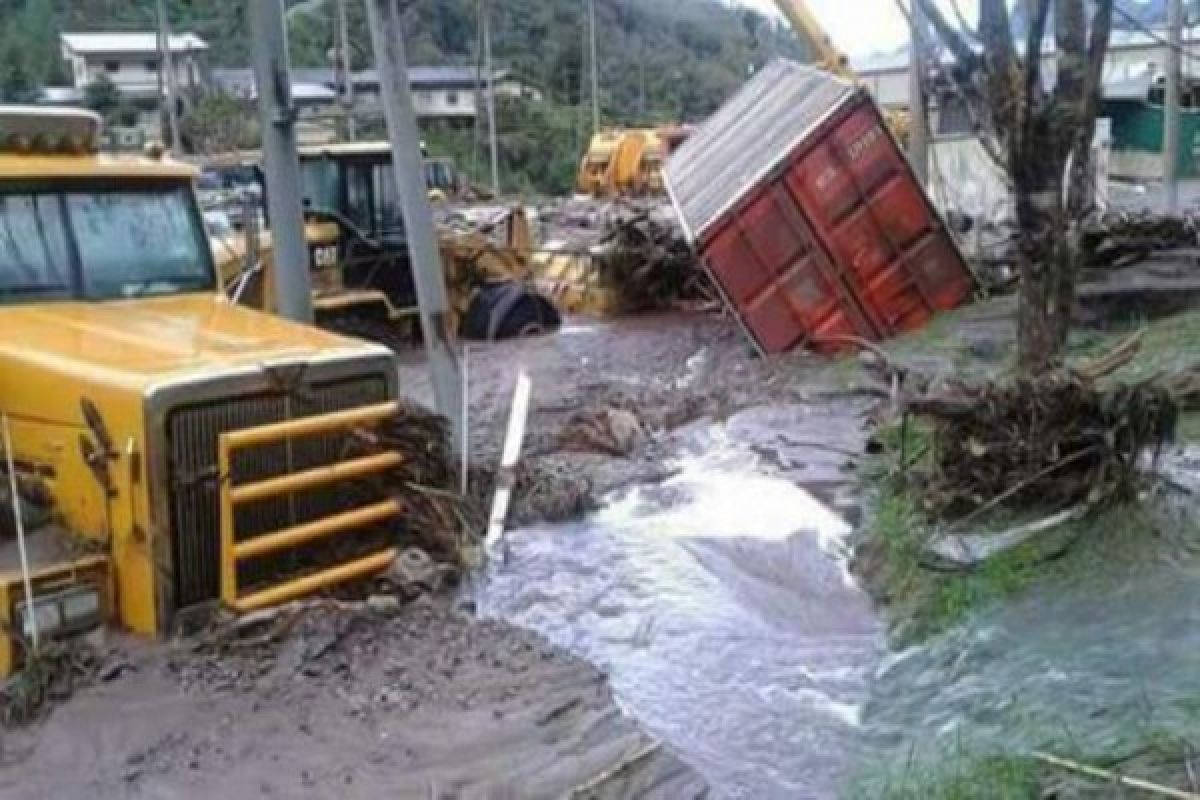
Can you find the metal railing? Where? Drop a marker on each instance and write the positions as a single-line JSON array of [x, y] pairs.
[[232, 496]]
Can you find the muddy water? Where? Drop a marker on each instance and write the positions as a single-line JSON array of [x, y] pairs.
[[1092, 664], [720, 605]]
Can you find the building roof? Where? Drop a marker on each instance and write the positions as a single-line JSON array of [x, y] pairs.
[[241, 82], [132, 42], [434, 77], [898, 59]]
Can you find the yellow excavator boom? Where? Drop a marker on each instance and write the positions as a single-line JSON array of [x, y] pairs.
[[805, 23], [828, 57]]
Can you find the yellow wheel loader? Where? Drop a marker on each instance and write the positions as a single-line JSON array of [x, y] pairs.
[[180, 451], [361, 273]]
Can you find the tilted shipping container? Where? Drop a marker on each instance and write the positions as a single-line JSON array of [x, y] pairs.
[[808, 217]]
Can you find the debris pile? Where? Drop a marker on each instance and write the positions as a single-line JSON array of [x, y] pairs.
[[48, 679], [445, 522], [650, 262], [544, 491], [1121, 238], [1058, 440]]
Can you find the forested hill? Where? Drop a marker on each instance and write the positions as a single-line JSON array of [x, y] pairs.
[[659, 58]]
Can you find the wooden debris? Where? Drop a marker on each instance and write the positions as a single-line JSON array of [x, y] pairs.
[[439, 517], [1114, 778], [651, 265], [1121, 238]]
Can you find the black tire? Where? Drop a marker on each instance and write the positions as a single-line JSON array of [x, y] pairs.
[[508, 310], [389, 334]]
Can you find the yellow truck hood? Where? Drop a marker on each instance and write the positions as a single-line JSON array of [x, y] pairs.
[[141, 342]]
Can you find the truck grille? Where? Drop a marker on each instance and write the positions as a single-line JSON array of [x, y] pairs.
[[192, 433]]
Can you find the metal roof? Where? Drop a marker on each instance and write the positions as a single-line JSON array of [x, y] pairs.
[[1121, 39], [133, 42], [437, 76], [756, 129]]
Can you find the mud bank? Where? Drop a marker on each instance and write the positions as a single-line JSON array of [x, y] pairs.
[[425, 702]]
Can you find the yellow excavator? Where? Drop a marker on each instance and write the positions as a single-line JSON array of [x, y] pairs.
[[628, 162], [828, 57]]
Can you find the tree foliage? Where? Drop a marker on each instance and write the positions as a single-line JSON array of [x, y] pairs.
[[219, 122], [1042, 129], [659, 60]]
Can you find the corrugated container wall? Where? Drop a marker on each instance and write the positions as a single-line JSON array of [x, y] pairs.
[[808, 217]]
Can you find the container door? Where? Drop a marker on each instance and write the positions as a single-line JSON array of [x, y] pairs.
[[780, 281], [865, 206]]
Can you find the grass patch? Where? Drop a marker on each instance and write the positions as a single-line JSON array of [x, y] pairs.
[[961, 778], [922, 600], [1189, 427]]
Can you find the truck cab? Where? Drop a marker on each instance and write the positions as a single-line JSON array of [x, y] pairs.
[[172, 449]]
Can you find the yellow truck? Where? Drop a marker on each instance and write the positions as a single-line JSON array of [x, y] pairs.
[[182, 451]]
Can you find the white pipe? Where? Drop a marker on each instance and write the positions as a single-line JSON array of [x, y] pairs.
[[466, 425], [20, 522], [506, 477]]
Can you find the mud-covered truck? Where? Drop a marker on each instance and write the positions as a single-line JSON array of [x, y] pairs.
[[172, 449]]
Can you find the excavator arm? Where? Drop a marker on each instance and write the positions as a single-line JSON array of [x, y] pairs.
[[825, 53], [828, 57]]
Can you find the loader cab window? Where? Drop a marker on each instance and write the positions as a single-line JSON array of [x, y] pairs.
[[34, 264], [371, 201], [320, 183], [79, 240]]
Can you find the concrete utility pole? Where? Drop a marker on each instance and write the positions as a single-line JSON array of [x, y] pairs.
[[918, 133], [1171, 106], [387, 39], [346, 96], [293, 291], [595, 66], [489, 73], [166, 67]]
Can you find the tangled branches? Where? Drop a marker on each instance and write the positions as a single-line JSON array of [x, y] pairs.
[[1053, 441]]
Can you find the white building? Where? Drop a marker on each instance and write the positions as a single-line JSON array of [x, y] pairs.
[[1131, 55], [445, 92], [130, 60]]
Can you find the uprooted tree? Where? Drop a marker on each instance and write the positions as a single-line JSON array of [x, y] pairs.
[[1040, 127]]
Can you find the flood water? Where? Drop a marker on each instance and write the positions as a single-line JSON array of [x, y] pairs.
[[720, 605]]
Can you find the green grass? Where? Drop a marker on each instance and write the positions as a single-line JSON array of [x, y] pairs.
[[957, 778], [1189, 427]]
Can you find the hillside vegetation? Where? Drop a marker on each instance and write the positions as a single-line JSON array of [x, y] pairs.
[[660, 60]]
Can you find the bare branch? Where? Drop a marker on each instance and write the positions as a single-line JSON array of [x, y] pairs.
[[961, 18], [1097, 50], [1000, 67], [951, 37], [1070, 33], [1033, 47]]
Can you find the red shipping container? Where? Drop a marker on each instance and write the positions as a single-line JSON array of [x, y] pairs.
[[808, 217]]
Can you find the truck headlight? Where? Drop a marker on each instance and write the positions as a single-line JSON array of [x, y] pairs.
[[62, 613]]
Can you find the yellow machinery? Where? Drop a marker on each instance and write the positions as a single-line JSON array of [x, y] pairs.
[[829, 58], [186, 451], [624, 162], [362, 280]]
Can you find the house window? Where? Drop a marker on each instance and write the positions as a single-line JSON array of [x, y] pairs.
[[451, 98], [151, 65], [112, 66]]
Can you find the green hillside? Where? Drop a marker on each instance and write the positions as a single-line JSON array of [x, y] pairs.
[[660, 60]]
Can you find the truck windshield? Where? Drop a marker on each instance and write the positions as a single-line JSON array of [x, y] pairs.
[[101, 243]]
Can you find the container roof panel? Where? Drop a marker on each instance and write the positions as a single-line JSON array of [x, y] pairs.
[[755, 130]]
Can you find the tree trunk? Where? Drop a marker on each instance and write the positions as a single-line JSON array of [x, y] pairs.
[[1044, 262]]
